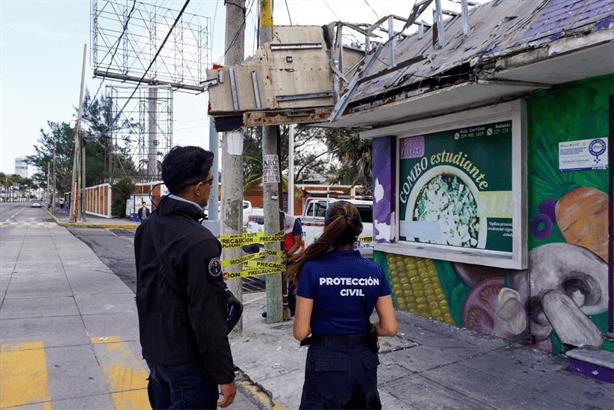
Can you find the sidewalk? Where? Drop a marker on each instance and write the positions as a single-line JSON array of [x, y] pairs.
[[428, 365], [69, 336], [69, 329]]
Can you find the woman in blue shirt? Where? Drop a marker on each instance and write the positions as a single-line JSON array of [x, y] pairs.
[[337, 291]]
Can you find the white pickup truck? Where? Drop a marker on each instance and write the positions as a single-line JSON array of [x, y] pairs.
[[313, 222], [248, 211]]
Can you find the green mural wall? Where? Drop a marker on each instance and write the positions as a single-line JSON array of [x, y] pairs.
[[570, 207], [568, 220]]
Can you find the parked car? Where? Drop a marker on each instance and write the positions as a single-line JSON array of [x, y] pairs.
[[36, 203]]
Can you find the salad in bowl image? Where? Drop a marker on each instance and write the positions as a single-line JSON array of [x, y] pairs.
[[442, 209]]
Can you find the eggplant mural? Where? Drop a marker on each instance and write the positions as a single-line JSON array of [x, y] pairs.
[[562, 298]]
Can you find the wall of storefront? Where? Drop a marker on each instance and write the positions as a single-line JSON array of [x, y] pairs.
[[562, 298]]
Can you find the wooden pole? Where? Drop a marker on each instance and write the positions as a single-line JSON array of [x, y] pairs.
[[76, 175]]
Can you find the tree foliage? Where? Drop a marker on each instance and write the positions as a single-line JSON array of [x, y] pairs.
[[338, 155], [309, 154], [122, 190], [15, 185], [96, 137], [354, 165]]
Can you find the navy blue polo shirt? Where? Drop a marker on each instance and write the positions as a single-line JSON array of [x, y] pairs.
[[337, 284]]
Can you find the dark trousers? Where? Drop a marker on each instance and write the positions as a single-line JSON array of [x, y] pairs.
[[338, 377], [183, 386], [291, 297]]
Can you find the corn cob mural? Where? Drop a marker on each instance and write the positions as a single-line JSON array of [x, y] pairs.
[[416, 287]]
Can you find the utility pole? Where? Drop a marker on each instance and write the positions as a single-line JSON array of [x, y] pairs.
[[76, 175], [152, 165], [232, 150], [83, 182], [48, 184], [271, 194], [108, 134], [54, 185]]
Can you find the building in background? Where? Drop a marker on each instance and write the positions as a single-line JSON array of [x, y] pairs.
[[21, 167]]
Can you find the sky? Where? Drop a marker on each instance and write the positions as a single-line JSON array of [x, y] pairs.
[[41, 57]]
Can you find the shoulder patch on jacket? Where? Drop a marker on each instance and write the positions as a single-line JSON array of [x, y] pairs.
[[215, 267]]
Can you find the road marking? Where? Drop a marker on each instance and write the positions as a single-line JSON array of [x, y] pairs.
[[34, 225], [23, 375], [125, 378]]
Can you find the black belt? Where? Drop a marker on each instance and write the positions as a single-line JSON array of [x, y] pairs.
[[338, 340]]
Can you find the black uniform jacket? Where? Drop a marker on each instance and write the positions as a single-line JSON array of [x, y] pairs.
[[180, 292]]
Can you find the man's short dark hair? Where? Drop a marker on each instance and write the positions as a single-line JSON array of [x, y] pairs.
[[185, 166]]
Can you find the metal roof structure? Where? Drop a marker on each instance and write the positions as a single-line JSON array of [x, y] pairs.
[[513, 47], [491, 53]]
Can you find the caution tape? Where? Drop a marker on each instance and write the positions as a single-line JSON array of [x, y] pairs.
[[238, 241], [250, 272], [243, 259], [281, 267]]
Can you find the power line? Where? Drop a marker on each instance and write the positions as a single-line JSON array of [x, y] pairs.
[[287, 8], [234, 40], [151, 63], [372, 9], [331, 10], [338, 19]]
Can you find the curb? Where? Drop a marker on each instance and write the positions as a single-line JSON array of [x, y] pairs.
[[256, 392], [86, 225]]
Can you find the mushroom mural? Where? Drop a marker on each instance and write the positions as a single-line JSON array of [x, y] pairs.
[[564, 284]]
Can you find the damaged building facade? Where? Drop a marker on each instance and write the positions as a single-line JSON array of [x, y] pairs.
[[492, 158], [491, 151]]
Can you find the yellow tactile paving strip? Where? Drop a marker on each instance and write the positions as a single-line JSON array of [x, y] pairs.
[[125, 378], [23, 374]]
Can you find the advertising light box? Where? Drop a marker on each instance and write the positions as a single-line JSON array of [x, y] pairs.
[[456, 187], [461, 187]]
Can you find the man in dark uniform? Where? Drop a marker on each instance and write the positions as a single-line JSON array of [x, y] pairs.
[[181, 295]]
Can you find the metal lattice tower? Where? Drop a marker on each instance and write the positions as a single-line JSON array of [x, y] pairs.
[[144, 130], [127, 39], [126, 36]]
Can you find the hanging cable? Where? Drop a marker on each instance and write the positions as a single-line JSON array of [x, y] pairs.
[[372, 9], [339, 20], [234, 40], [287, 8]]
